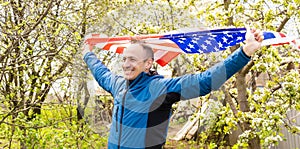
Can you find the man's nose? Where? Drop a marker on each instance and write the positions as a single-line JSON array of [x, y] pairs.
[[126, 63]]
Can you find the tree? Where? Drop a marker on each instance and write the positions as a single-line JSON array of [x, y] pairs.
[[252, 107], [242, 95], [39, 42]]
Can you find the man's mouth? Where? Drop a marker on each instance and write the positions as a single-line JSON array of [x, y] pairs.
[[128, 71]]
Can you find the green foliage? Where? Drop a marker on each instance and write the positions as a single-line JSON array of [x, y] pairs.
[[40, 42], [54, 128], [215, 124]]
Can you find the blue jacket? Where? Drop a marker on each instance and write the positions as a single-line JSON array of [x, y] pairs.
[[142, 107]]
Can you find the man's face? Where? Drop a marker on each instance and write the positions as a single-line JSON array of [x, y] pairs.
[[134, 61]]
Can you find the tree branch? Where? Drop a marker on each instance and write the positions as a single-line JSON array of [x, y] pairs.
[[247, 68], [26, 33], [282, 24]]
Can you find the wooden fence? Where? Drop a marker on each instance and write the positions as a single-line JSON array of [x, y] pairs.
[[292, 140]]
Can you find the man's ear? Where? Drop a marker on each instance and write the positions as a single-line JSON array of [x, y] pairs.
[[149, 63]]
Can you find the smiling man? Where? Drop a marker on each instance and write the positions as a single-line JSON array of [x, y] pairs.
[[137, 58], [143, 99]]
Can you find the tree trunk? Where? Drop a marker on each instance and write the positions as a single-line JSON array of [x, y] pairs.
[[244, 107], [81, 106]]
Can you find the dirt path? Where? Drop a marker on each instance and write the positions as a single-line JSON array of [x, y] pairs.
[[173, 129]]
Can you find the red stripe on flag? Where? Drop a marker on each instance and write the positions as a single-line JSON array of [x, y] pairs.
[[97, 39], [282, 35], [279, 44], [173, 45], [164, 60], [119, 38], [120, 49], [94, 41], [107, 46]]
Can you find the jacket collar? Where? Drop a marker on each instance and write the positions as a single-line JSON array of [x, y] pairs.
[[142, 79]]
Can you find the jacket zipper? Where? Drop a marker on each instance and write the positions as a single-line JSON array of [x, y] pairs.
[[116, 115], [121, 118]]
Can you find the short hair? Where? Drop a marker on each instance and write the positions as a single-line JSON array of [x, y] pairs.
[[148, 50]]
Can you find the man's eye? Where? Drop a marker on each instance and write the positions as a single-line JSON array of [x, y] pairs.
[[129, 59], [132, 60]]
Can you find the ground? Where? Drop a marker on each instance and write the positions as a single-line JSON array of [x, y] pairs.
[[172, 144]]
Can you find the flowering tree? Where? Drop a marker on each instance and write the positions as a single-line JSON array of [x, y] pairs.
[[254, 110], [40, 42]]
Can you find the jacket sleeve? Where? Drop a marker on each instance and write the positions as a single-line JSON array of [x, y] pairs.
[[105, 78], [195, 85]]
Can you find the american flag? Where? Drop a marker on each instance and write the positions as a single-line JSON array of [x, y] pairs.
[[168, 46]]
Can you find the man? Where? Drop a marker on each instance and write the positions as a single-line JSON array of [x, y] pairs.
[[143, 100]]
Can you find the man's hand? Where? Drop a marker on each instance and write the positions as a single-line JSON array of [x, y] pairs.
[[253, 41], [86, 48]]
